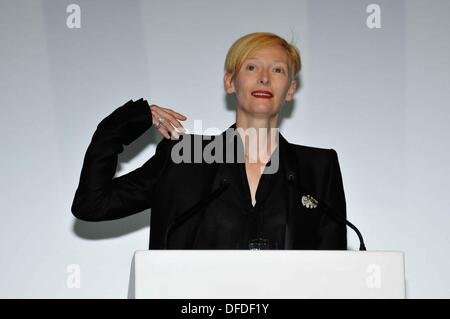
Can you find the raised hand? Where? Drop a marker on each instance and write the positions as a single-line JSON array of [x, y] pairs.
[[166, 121]]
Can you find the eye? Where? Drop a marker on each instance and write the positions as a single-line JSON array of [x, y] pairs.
[[250, 66], [281, 69]]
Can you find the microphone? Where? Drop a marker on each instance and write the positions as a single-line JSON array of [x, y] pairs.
[[328, 210], [179, 220]]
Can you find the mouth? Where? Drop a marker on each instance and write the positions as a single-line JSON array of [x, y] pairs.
[[262, 94]]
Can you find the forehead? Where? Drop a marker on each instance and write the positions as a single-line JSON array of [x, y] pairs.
[[271, 54]]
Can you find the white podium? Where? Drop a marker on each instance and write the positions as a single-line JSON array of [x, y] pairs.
[[266, 274]]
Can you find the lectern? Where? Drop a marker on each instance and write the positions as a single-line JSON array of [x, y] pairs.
[[266, 274]]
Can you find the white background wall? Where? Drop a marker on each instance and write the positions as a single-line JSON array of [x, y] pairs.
[[377, 96]]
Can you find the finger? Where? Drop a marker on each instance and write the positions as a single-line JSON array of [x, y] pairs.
[[167, 124], [163, 132], [162, 113], [161, 129], [176, 114], [156, 116], [173, 121], [155, 119]]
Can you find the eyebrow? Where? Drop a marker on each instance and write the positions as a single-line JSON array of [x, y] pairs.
[[277, 61]]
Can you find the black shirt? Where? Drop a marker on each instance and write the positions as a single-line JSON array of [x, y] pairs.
[[231, 221]]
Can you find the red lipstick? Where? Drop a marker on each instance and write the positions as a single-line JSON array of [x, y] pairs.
[[262, 94]]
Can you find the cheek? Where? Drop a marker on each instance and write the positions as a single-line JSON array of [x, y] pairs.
[[284, 89], [242, 87]]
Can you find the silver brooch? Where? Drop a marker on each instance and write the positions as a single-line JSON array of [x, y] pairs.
[[309, 202]]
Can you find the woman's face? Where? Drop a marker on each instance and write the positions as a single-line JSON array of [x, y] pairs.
[[266, 70]]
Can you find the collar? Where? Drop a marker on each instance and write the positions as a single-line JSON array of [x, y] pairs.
[[287, 153]]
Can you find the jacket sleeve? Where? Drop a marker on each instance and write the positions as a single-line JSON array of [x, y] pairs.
[[99, 195], [332, 234]]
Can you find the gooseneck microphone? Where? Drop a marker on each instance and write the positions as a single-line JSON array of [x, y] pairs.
[[179, 220], [328, 210]]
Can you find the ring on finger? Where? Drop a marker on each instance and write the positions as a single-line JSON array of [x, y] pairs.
[[160, 121]]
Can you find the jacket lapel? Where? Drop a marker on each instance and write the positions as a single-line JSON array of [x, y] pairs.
[[302, 222], [287, 156]]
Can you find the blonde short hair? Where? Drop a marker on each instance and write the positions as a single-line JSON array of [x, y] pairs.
[[245, 46]]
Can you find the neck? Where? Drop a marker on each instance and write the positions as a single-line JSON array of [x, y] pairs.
[[259, 136]]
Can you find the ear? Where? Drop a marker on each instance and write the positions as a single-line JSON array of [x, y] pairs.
[[291, 91], [228, 83]]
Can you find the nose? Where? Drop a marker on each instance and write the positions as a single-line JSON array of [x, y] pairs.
[[264, 77]]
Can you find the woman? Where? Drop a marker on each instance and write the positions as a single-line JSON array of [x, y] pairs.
[[238, 204]]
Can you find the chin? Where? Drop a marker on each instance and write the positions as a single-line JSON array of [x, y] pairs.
[[263, 108], [260, 109], [263, 112]]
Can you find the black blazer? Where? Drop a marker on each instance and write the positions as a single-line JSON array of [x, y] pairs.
[[171, 189]]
